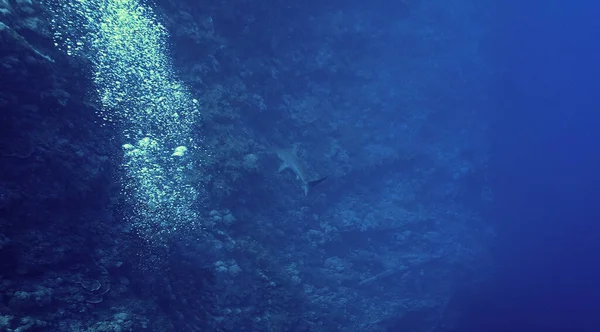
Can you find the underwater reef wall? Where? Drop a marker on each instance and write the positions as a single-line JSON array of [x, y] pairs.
[[139, 183]]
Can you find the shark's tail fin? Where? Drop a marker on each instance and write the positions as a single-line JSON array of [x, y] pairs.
[[311, 184]]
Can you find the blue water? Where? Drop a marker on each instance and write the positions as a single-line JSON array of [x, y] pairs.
[[546, 165]]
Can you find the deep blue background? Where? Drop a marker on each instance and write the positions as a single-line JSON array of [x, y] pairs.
[[547, 171]]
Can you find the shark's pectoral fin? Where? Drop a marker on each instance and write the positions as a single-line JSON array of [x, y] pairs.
[[283, 167]]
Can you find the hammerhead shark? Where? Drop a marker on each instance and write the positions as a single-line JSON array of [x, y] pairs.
[[289, 159]]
